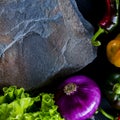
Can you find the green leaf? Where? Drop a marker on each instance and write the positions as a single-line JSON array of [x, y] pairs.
[[16, 104]]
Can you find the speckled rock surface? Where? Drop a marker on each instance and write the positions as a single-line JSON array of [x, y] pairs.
[[40, 39]]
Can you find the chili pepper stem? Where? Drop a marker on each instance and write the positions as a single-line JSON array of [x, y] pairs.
[[106, 114], [117, 5], [116, 88], [94, 40]]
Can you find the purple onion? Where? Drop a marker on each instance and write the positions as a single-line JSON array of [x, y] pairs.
[[78, 98]]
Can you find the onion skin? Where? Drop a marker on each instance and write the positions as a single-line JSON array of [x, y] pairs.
[[82, 102]]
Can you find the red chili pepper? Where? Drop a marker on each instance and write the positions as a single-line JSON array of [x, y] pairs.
[[118, 117], [109, 21], [106, 21]]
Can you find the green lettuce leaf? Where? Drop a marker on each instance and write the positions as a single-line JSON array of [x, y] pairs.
[[16, 104]]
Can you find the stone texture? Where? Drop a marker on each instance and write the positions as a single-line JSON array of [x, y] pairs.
[[40, 39]]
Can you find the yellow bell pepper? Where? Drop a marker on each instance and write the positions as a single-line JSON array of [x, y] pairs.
[[113, 51]]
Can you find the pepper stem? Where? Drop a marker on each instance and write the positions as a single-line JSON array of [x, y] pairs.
[[94, 40], [117, 6], [70, 88], [116, 88], [106, 114]]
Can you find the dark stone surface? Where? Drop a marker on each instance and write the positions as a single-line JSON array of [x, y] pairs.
[[41, 40]]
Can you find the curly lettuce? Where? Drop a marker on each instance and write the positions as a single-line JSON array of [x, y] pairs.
[[16, 104]]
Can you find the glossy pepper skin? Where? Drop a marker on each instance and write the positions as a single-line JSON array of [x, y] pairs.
[[113, 51], [108, 22], [112, 90]]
